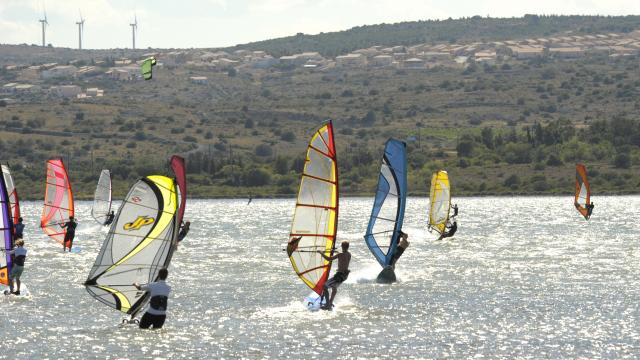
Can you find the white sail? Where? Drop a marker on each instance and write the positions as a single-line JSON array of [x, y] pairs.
[[102, 198]]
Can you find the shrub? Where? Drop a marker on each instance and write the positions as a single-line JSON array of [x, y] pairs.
[[622, 161], [512, 182], [263, 150], [288, 136]]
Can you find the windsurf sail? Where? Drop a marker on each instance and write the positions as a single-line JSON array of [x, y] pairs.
[[180, 171], [13, 193], [102, 198], [315, 220], [139, 244], [58, 201], [583, 191], [6, 233], [387, 215], [147, 68], [439, 201]]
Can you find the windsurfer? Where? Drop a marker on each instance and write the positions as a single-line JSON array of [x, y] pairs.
[[184, 230], [158, 295], [455, 210], [340, 276], [20, 255], [71, 233], [19, 229], [452, 230], [110, 218], [402, 246], [589, 209]]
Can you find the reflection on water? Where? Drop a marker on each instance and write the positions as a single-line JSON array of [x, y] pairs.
[[524, 277]]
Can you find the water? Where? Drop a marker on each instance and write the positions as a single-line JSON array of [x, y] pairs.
[[524, 277]]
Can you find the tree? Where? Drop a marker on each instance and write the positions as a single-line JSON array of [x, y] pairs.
[[465, 146], [257, 177], [622, 161], [487, 137]]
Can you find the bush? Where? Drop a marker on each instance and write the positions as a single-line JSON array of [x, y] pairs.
[[622, 161], [465, 146], [288, 136], [248, 124], [190, 138], [512, 182], [554, 160], [257, 177], [263, 150]]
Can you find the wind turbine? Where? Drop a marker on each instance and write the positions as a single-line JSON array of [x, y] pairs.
[[80, 31], [44, 24], [134, 29]]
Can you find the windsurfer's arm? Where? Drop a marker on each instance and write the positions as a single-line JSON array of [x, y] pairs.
[[328, 258], [141, 287]]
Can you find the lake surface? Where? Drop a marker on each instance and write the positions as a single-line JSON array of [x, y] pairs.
[[524, 277]]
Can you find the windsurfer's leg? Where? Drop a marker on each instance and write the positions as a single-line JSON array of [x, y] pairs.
[[18, 284], [334, 291], [158, 321], [145, 321]]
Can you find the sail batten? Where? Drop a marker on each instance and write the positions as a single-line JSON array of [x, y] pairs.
[[439, 201], [389, 203], [140, 242], [316, 215], [58, 201]]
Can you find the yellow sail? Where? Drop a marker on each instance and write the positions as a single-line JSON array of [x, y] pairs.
[[440, 201]]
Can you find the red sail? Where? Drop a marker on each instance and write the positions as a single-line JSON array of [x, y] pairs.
[[179, 169]]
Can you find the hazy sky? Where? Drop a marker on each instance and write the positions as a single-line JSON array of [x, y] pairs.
[[214, 23]]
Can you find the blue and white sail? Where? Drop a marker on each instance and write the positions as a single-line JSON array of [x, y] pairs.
[[385, 223]]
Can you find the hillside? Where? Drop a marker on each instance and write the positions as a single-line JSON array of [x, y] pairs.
[[509, 127], [464, 30]]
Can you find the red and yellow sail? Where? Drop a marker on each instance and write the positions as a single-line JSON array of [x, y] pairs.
[[315, 220]]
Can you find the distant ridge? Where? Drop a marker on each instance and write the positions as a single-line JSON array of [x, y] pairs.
[[471, 29]]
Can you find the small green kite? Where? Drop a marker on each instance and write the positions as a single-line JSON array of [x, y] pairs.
[[147, 66]]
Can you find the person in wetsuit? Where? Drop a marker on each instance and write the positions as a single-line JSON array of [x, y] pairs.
[[452, 230], [19, 256], [19, 227], [403, 244], [184, 230], [71, 233], [110, 217], [590, 209], [159, 295], [340, 276], [455, 210]]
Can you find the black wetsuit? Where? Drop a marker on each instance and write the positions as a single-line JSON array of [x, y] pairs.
[[451, 232], [71, 232], [109, 219]]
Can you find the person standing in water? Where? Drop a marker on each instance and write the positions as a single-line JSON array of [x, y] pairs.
[[110, 217], [158, 297], [184, 230], [71, 233], [344, 258], [402, 246], [19, 228], [590, 209], [19, 256], [455, 210]]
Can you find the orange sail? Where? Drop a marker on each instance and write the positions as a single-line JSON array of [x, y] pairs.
[[583, 192], [58, 201]]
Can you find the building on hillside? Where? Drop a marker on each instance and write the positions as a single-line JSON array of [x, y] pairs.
[[381, 61], [94, 92], [200, 80], [27, 89], [486, 56], [9, 88], [88, 71], [61, 71], [67, 91], [566, 52], [124, 73], [522, 53], [351, 60], [224, 63], [414, 64], [264, 62]]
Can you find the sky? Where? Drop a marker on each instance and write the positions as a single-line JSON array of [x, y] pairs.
[[219, 23]]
